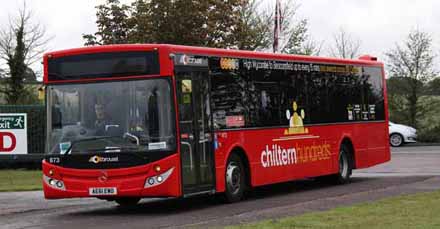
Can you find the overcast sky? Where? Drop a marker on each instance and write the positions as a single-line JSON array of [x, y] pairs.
[[379, 24]]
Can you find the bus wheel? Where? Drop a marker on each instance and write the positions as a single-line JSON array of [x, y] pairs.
[[345, 166], [127, 202], [235, 179]]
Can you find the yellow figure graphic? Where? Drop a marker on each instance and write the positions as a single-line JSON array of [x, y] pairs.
[[296, 121]]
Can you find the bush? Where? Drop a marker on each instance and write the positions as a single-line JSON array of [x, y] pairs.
[[429, 135]]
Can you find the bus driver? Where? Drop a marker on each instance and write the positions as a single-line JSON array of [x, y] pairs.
[[102, 121]]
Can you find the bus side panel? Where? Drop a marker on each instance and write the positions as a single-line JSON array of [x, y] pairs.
[[378, 144], [276, 156], [360, 145]]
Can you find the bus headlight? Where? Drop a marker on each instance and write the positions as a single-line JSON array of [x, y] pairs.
[[156, 180], [54, 183], [59, 184]]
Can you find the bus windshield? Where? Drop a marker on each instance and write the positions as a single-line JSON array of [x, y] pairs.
[[111, 117]]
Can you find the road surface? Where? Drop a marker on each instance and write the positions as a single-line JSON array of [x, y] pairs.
[[412, 169]]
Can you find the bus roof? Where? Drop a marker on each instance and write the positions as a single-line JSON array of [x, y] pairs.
[[181, 49]]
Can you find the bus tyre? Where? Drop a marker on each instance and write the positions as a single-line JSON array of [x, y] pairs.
[[127, 202], [344, 165], [234, 179]]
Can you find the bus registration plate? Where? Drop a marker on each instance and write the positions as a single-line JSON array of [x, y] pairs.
[[103, 191]]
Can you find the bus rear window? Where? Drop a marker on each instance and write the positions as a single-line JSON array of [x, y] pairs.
[[100, 65]]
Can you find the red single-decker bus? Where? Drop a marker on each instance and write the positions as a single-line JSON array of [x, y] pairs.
[[131, 121]]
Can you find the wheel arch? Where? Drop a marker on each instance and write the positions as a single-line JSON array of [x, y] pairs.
[[349, 143], [403, 138], [238, 150], [395, 132]]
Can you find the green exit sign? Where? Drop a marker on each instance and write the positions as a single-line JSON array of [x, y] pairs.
[[8, 122]]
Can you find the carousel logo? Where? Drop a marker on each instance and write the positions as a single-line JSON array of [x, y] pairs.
[[97, 159]]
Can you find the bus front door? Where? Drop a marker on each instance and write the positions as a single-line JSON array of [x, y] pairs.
[[196, 132]]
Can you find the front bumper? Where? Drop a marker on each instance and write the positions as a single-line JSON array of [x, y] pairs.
[[411, 138], [129, 182]]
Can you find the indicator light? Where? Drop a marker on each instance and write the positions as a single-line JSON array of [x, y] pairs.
[[157, 168], [51, 172]]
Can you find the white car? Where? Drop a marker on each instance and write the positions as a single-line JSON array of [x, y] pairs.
[[401, 134]]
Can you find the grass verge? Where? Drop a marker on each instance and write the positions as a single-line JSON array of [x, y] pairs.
[[408, 211], [20, 180]]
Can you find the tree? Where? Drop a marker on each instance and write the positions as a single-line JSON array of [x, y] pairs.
[[433, 87], [112, 22], [311, 47], [236, 24], [21, 44], [414, 61], [300, 42], [396, 91], [295, 34], [223, 22], [2, 73], [345, 45], [253, 28], [189, 22]]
